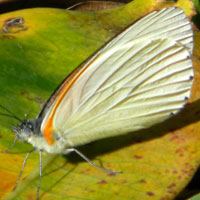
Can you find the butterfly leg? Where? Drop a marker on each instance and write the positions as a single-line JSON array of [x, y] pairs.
[[22, 169], [40, 177], [90, 162], [11, 146]]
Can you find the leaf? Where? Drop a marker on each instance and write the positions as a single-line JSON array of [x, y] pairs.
[[195, 197], [35, 57]]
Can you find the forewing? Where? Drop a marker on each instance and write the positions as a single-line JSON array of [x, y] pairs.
[[171, 23], [126, 89], [136, 80]]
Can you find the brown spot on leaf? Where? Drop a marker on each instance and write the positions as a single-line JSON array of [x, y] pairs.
[[179, 177], [171, 186], [112, 174], [14, 25], [188, 171], [137, 157], [143, 181], [37, 99], [175, 137], [151, 194], [186, 164], [89, 190], [184, 171], [178, 139], [172, 192], [102, 182]]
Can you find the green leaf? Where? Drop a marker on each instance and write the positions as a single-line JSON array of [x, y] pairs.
[[156, 163], [195, 197]]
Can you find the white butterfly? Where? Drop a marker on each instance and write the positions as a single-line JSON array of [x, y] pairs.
[[138, 79]]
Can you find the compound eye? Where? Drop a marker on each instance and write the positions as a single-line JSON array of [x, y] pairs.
[[30, 126]]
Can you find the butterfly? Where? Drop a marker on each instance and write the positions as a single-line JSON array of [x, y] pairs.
[[139, 78]]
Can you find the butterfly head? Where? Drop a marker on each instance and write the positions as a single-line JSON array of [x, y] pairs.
[[26, 129]]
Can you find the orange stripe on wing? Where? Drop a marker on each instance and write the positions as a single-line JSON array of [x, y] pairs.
[[49, 129]]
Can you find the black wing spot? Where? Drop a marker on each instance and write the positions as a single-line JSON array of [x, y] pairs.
[[191, 77], [186, 98], [171, 114]]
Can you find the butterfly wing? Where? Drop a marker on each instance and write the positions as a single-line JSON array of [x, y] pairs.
[[131, 83], [167, 23]]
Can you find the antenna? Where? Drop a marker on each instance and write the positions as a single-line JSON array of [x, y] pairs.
[[10, 114]]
